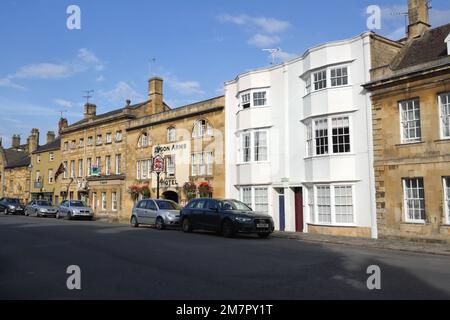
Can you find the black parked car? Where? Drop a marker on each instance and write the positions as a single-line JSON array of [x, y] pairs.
[[11, 206], [228, 217]]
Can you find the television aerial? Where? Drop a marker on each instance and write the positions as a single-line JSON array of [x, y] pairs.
[[273, 54]]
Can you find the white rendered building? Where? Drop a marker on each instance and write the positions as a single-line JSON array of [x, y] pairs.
[[299, 140]]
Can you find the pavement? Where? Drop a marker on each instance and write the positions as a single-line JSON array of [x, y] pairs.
[[119, 262], [423, 246]]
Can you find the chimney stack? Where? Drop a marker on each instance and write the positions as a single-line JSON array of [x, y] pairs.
[[33, 140], [419, 20], [90, 111], [50, 136], [155, 95], [15, 141], [63, 123]]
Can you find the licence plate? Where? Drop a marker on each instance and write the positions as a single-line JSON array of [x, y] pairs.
[[262, 225]]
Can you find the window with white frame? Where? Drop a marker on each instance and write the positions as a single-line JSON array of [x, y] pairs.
[[320, 80], [309, 139], [143, 141], [246, 196], [202, 164], [331, 204], [245, 101], [81, 143], [256, 198], [50, 176], [104, 203], [65, 163], [73, 144], [119, 136], [410, 121], [108, 165], [339, 76], [138, 170], [80, 168], [99, 140], [260, 140], [323, 204], [144, 169], [194, 165], [72, 168], [52, 156], [170, 166], [38, 176], [89, 167], [149, 168], [343, 202], [90, 141], [66, 146], [308, 85], [447, 198], [254, 146], [259, 99], [171, 135], [209, 163], [202, 128], [414, 200], [109, 137], [444, 109], [118, 163], [114, 201], [341, 135], [321, 136]]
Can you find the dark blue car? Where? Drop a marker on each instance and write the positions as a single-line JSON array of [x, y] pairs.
[[227, 217]]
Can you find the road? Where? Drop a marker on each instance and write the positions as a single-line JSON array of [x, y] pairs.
[[118, 262]]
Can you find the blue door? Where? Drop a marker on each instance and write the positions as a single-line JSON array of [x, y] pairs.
[[282, 213]]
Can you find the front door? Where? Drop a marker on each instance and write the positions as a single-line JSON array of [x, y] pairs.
[[298, 210], [282, 213]]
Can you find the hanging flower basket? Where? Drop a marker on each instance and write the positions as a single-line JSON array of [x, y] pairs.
[[205, 190], [134, 191], [190, 189], [145, 191]]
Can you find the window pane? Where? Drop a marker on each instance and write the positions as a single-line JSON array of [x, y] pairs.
[[341, 135], [343, 204], [324, 204], [260, 145], [261, 200], [321, 136], [414, 199], [444, 101]]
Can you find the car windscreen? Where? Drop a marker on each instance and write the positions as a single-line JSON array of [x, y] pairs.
[[234, 205], [77, 204], [167, 205], [44, 203], [13, 201]]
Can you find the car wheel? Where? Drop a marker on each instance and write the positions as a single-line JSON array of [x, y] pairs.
[[186, 226], [228, 229], [36, 213], [57, 216], [69, 216], [159, 225], [264, 235], [134, 222]]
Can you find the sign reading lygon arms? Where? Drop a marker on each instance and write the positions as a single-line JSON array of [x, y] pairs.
[[177, 162]]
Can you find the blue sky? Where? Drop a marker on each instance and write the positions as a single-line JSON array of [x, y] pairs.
[[196, 44]]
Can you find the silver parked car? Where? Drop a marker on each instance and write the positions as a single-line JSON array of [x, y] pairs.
[[159, 213], [71, 209], [40, 208]]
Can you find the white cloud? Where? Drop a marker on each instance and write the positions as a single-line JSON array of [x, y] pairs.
[[64, 103], [84, 61], [284, 56], [100, 78], [268, 25], [184, 87], [120, 93], [7, 83], [261, 40]]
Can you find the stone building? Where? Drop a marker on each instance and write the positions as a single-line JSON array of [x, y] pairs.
[[15, 167], [190, 139], [45, 162], [100, 152], [411, 130]]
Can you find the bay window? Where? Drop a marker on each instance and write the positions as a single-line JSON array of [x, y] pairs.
[[259, 99], [256, 197], [254, 146], [319, 141], [321, 136], [339, 76], [253, 98], [320, 80]]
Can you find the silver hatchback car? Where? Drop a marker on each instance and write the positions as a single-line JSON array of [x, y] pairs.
[[71, 209], [159, 213], [40, 208]]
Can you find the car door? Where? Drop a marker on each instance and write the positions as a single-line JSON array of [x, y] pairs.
[[211, 215], [151, 211], [200, 212], [140, 211]]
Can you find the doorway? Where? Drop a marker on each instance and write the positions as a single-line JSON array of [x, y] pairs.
[[298, 209], [282, 208], [171, 195]]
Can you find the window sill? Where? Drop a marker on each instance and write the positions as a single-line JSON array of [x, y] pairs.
[[252, 108], [330, 156], [409, 144], [442, 140], [415, 223], [252, 163], [333, 225]]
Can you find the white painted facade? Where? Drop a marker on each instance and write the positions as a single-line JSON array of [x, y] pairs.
[[341, 174]]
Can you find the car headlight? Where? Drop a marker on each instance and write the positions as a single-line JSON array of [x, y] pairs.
[[242, 219], [42, 210], [11, 207], [171, 215]]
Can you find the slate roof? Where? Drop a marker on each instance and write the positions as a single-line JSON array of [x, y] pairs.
[[16, 159], [55, 145], [429, 47]]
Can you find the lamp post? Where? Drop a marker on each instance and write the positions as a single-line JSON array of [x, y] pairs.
[[158, 168]]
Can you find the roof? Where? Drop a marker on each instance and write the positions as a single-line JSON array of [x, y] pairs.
[[429, 47], [54, 145], [16, 159]]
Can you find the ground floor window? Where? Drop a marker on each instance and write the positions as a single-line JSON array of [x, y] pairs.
[[104, 203], [331, 204], [256, 198], [114, 201], [414, 200], [447, 198]]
